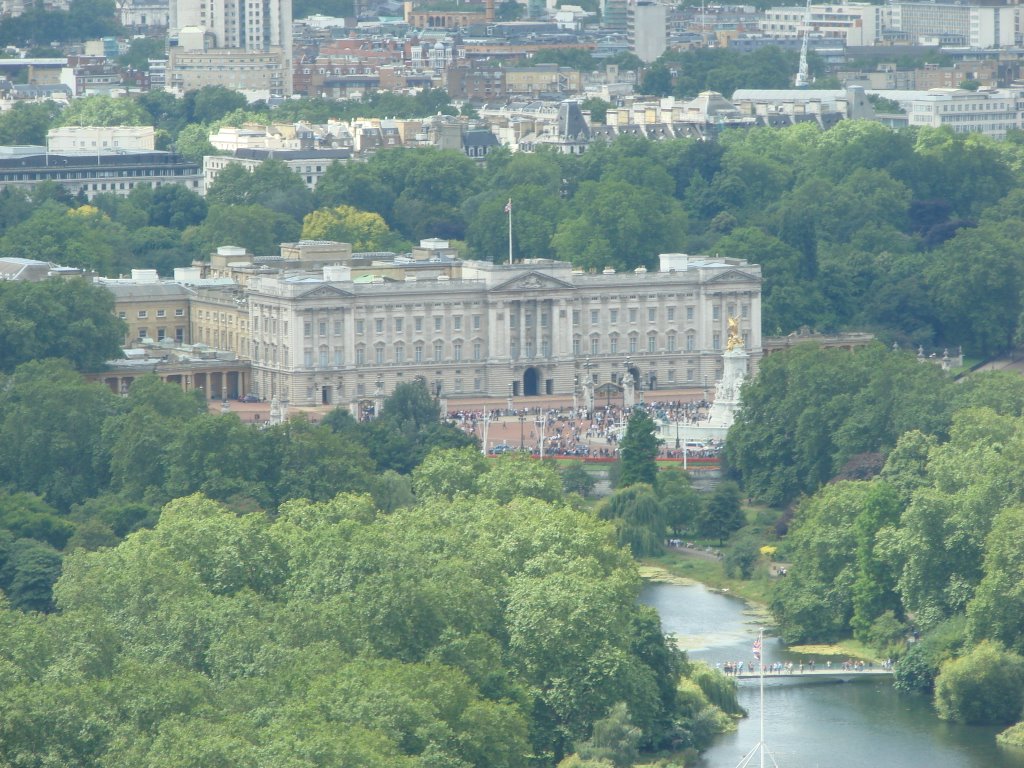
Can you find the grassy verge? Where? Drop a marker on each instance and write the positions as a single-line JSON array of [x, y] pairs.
[[711, 574]]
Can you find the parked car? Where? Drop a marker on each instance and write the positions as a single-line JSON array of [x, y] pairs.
[[501, 448], [250, 398]]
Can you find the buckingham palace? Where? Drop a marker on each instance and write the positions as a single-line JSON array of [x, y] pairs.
[[356, 328]]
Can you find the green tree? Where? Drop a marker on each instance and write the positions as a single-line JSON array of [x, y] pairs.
[[995, 611], [80, 237], [212, 102], [141, 50], [364, 230], [193, 142], [272, 185], [638, 450], [356, 185], [29, 574], [447, 472], [72, 319], [615, 739], [50, 425], [983, 687], [516, 476], [104, 110], [576, 479], [618, 224], [722, 515], [28, 123], [253, 227], [680, 500], [598, 109], [638, 516]]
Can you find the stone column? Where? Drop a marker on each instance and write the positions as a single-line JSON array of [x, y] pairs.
[[522, 328], [555, 328]]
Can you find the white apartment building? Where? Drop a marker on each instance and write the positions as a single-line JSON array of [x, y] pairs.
[[992, 112], [976, 26], [475, 328], [647, 29], [854, 23], [241, 44], [87, 138]]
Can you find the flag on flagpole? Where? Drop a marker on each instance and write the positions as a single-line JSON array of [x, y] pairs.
[[757, 648], [508, 206]]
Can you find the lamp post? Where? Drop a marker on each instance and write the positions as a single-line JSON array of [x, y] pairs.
[[487, 423], [541, 422], [522, 433]]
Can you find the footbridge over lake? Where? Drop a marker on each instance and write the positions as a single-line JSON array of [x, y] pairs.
[[836, 674]]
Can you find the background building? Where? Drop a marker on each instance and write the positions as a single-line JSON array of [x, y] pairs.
[[647, 29], [241, 44]]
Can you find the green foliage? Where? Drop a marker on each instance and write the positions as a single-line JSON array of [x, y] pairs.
[[253, 227], [271, 185], [681, 502], [597, 107], [722, 514], [364, 230], [742, 555], [576, 479], [42, 440], [86, 19], [638, 517], [458, 633], [574, 58], [810, 410], [304, 8], [917, 669], [997, 608], [831, 544], [638, 450], [615, 740], [720, 69], [72, 319], [27, 123], [104, 110], [141, 50], [983, 687], [79, 237]]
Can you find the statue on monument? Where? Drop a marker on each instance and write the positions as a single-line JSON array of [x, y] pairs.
[[588, 392], [735, 340], [628, 391]]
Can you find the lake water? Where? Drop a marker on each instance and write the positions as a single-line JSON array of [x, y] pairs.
[[817, 724]]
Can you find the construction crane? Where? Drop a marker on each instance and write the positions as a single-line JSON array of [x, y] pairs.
[[803, 75]]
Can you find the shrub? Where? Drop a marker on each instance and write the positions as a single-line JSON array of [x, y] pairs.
[[985, 687]]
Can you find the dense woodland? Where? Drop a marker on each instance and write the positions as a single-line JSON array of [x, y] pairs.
[[184, 589], [857, 227], [907, 515]]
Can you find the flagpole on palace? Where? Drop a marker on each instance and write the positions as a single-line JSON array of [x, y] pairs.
[[508, 210]]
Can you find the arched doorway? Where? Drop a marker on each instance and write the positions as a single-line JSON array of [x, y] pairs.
[[531, 382]]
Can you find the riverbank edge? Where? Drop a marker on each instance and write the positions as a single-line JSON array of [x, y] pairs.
[[754, 593]]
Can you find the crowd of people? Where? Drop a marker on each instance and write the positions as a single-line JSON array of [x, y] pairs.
[[581, 431]]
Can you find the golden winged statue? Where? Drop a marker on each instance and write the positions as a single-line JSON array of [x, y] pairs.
[[735, 341]]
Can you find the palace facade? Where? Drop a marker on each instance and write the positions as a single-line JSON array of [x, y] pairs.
[[351, 331]]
